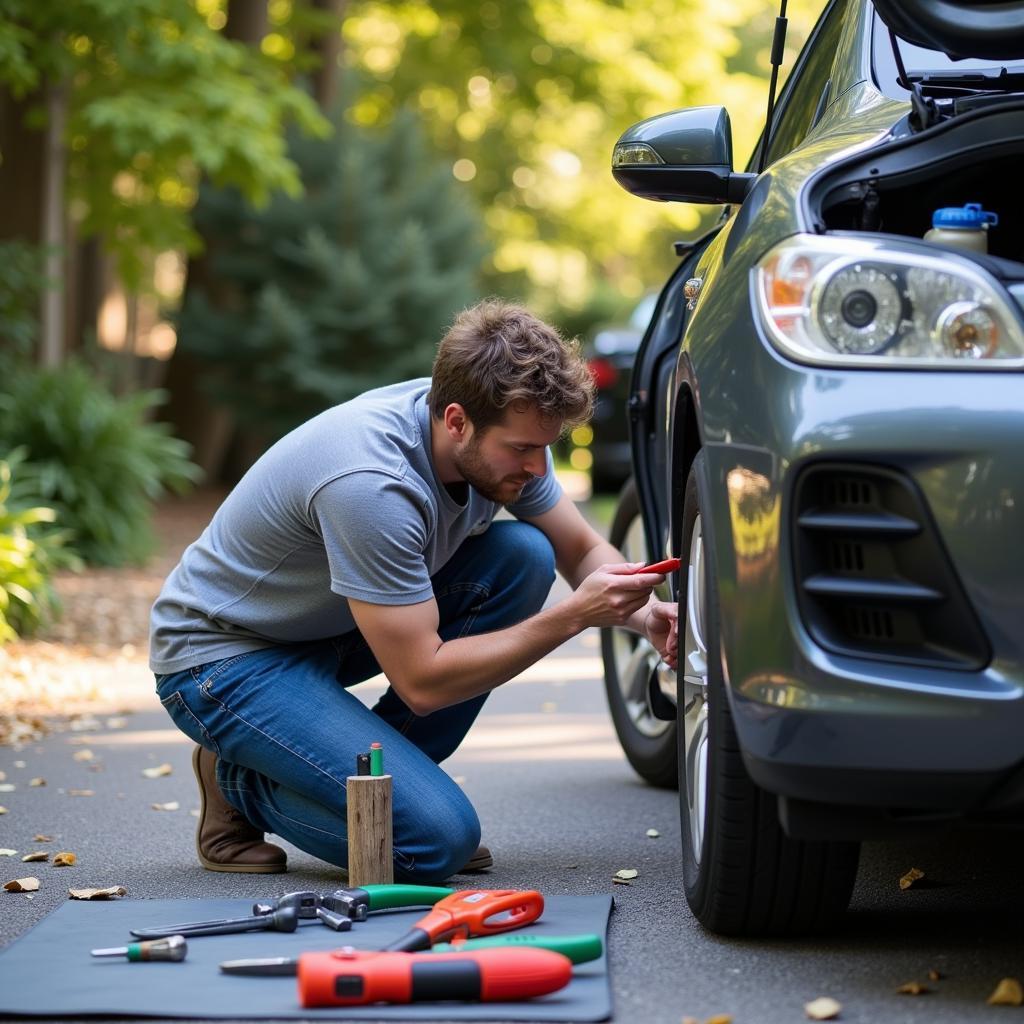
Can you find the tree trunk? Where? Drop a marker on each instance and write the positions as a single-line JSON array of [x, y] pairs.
[[205, 425], [327, 77], [51, 333]]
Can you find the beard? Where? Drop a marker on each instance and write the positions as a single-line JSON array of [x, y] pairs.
[[473, 468]]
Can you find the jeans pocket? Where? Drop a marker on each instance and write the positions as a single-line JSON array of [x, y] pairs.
[[185, 719]]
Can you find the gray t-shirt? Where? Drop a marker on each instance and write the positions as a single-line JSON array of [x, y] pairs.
[[347, 505]]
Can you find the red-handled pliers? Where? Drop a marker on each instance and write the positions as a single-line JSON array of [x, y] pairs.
[[469, 913]]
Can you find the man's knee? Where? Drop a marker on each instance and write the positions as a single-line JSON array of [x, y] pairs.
[[441, 844]]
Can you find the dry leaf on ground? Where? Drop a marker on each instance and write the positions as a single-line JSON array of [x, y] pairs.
[[1007, 993], [37, 782], [171, 805], [3, 810], [118, 722], [934, 975], [625, 874], [6, 787], [83, 755], [37, 855], [653, 833], [157, 772], [22, 885], [81, 792], [912, 876], [7, 853], [823, 1008], [913, 988], [40, 838], [64, 859], [98, 894], [720, 1018]]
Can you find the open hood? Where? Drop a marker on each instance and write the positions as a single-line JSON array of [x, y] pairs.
[[959, 28]]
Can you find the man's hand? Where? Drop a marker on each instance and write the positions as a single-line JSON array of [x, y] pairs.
[[662, 629], [612, 593]]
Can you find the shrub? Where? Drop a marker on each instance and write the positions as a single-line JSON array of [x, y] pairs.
[[94, 457], [28, 555]]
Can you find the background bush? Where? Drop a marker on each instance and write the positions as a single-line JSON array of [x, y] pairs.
[[29, 553], [346, 288], [93, 457]]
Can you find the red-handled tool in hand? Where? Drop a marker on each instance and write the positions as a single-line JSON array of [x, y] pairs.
[[351, 977], [469, 913], [669, 565]]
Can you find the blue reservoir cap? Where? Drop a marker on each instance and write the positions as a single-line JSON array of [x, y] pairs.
[[969, 218]]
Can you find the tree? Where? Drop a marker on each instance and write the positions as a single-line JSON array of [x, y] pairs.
[[342, 289]]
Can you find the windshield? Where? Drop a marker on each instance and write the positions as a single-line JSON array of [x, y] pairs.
[[919, 60]]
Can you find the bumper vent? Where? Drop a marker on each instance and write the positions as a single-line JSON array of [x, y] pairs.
[[872, 577]]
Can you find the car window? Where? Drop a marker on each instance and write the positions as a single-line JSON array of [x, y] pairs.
[[806, 94]]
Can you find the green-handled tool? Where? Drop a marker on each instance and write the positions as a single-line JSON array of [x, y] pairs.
[[356, 903], [578, 948]]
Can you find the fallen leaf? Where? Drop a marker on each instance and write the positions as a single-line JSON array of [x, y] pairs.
[[621, 881], [98, 894], [158, 771], [171, 805], [6, 787], [720, 1018], [37, 782], [824, 1008], [19, 764], [626, 873], [653, 833], [3, 810], [38, 855], [7, 853], [42, 839], [913, 988], [912, 876], [118, 722], [934, 975], [83, 755], [1007, 993], [64, 859], [22, 885], [81, 792]]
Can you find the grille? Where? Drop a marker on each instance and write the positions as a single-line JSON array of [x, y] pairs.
[[872, 577]]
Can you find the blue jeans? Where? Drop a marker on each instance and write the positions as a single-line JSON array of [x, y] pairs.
[[286, 730]]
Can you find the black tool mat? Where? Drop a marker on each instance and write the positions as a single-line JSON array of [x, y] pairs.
[[49, 971]]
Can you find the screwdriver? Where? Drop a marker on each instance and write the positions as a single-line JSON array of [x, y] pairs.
[[174, 947]]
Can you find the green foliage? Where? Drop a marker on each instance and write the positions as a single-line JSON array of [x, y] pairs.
[[28, 555], [349, 287], [156, 97], [21, 284], [94, 457]]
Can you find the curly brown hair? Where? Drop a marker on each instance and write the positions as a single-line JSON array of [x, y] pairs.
[[496, 355]]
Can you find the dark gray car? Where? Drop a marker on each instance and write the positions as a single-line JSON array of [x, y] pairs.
[[827, 414]]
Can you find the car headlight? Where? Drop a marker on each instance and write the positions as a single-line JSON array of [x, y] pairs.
[[836, 300]]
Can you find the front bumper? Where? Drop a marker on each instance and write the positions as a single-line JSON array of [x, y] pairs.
[[819, 725]]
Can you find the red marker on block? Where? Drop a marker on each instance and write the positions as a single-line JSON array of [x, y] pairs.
[[669, 565]]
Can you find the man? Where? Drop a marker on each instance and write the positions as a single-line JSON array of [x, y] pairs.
[[363, 542]]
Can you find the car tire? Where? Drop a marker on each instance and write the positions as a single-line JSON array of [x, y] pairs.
[[742, 875], [649, 742]]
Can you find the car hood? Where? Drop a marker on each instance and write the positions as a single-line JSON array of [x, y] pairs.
[[960, 28]]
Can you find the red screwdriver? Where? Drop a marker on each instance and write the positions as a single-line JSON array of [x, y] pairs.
[[669, 565]]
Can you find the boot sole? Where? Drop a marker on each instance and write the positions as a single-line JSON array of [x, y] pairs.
[[241, 869]]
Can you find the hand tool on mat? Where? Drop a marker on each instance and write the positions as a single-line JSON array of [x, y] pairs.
[[356, 903], [469, 913], [284, 920], [305, 903], [669, 565], [578, 948], [352, 977], [174, 947]]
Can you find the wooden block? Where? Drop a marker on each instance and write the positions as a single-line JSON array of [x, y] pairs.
[[369, 830]]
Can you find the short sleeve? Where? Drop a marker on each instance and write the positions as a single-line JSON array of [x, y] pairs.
[[540, 495], [375, 527]]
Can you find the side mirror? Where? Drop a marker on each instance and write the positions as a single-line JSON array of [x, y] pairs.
[[684, 156]]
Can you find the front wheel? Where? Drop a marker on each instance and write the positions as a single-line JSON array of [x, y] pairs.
[[648, 742], [742, 875]]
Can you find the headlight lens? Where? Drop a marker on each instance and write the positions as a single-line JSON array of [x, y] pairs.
[[849, 300]]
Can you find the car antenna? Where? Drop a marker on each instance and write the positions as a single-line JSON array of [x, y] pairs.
[[922, 114], [778, 50]]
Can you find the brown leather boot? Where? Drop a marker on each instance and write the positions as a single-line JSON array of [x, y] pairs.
[[480, 860], [225, 841]]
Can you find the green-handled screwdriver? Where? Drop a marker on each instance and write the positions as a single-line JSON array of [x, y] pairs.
[[578, 948], [174, 947]]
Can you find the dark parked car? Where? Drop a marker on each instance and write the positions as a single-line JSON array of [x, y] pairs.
[[610, 357], [829, 413]]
